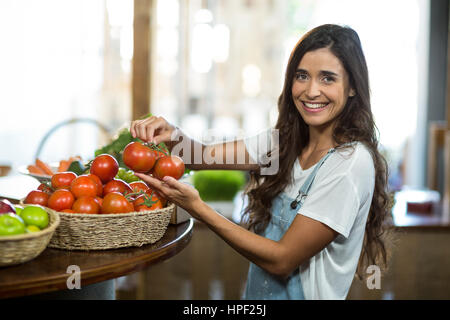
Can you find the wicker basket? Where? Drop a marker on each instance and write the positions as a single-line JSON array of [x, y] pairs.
[[81, 231], [25, 247]]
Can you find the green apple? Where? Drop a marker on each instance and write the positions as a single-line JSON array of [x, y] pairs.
[[11, 224], [34, 216], [32, 228], [18, 209]]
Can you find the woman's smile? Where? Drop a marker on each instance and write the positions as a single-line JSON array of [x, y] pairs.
[[314, 107]]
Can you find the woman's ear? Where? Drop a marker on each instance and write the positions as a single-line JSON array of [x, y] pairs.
[[352, 93]]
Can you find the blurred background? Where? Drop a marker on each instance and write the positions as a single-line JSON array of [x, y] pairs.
[[219, 65]]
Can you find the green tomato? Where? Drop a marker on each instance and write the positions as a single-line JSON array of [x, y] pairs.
[[32, 228], [11, 224], [35, 216]]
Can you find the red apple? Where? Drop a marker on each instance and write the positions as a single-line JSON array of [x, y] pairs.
[[6, 206]]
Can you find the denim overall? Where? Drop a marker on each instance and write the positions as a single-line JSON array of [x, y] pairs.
[[261, 285]]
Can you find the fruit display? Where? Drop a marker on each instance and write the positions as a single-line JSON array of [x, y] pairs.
[[102, 188], [25, 232], [16, 220]]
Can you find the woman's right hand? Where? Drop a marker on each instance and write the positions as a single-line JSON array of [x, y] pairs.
[[153, 129]]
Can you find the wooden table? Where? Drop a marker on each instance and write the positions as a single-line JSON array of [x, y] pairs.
[[50, 270], [47, 275]]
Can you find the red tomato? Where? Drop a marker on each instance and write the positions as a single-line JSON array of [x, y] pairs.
[[99, 201], [160, 154], [145, 202], [138, 157], [160, 197], [105, 167], [83, 186], [63, 179], [98, 182], [68, 211], [116, 185], [61, 199], [169, 166], [46, 188], [37, 197], [114, 202], [137, 186], [86, 205]]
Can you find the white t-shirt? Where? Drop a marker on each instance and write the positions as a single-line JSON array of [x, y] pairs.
[[340, 197]]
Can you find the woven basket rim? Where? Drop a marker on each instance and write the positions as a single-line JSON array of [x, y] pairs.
[[105, 215], [114, 215], [54, 223]]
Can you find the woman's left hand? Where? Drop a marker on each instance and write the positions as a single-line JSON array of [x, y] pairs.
[[175, 191]]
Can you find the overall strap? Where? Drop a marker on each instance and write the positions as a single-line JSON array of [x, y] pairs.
[[304, 189]]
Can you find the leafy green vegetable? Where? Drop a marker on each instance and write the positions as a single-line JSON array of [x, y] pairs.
[[77, 167]]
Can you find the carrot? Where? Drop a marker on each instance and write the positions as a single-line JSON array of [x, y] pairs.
[[64, 165], [35, 170], [45, 167], [76, 158]]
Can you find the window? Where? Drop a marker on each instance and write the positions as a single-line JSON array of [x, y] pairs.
[[220, 65], [62, 60]]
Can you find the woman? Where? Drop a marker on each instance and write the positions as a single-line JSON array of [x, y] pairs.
[[319, 219]]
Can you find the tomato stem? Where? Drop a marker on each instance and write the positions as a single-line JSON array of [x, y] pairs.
[[156, 147]]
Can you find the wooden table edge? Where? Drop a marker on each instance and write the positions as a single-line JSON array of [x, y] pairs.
[[94, 276]]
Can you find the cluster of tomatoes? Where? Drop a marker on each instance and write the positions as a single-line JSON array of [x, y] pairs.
[[100, 192], [152, 159]]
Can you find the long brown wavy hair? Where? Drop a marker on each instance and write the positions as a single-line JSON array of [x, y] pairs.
[[354, 123]]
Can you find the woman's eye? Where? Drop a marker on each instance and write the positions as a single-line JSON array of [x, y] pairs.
[[301, 76], [328, 79]]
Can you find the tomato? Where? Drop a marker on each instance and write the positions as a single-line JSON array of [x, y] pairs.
[[86, 205], [68, 211], [137, 186], [99, 201], [63, 179], [138, 157], [98, 182], [61, 199], [83, 186], [172, 166], [37, 197], [114, 202], [150, 192], [144, 203], [105, 167], [160, 154], [116, 185], [163, 200], [46, 188]]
